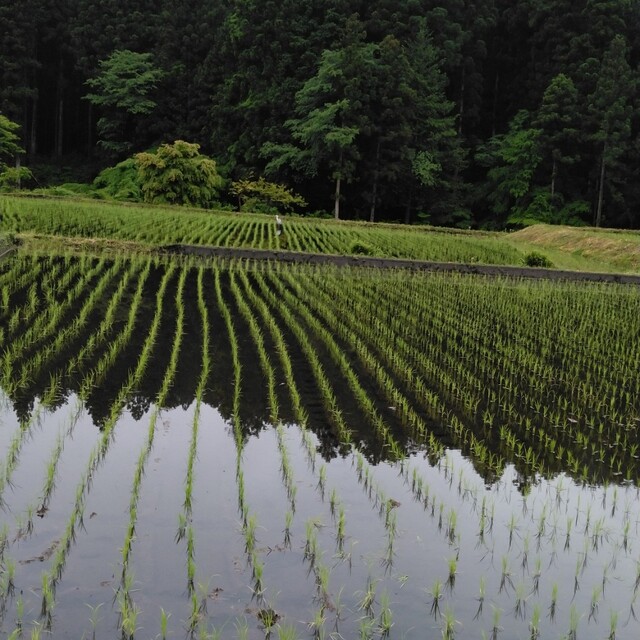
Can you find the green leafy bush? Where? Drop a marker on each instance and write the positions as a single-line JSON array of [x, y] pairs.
[[120, 182], [178, 174], [535, 259], [265, 197]]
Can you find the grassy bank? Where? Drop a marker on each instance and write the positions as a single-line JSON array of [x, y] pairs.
[[104, 226]]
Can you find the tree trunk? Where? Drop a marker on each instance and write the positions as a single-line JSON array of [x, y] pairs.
[[554, 173], [374, 195], [336, 199], [18, 172], [90, 131], [601, 188], [59, 128], [33, 142], [58, 133], [494, 107]]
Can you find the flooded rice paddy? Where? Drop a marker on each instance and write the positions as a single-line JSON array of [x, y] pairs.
[[242, 451]]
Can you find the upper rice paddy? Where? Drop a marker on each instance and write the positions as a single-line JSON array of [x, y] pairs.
[[242, 450]]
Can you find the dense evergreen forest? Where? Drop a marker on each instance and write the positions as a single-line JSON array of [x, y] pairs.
[[457, 112]]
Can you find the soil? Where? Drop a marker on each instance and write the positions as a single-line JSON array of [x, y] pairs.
[[396, 263]]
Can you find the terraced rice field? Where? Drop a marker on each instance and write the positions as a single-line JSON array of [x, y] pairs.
[[243, 450], [153, 226]]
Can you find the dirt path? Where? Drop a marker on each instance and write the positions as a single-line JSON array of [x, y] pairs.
[[395, 263]]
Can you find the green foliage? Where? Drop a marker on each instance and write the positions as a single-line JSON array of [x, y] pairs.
[[11, 177], [178, 174], [536, 259], [122, 91], [265, 197], [9, 139], [543, 206], [120, 182], [14, 177], [512, 159], [611, 107]]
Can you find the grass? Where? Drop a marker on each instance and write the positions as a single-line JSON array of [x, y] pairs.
[[583, 248], [45, 224]]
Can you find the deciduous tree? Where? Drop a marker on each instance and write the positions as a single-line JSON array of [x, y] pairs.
[[178, 174]]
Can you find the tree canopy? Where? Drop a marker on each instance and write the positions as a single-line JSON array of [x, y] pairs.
[[178, 174], [379, 110]]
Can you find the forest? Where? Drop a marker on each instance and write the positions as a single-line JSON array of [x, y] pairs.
[[483, 113]]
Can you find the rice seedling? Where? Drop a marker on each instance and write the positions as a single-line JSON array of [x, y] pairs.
[[613, 624], [482, 592], [495, 622], [287, 632], [574, 618], [258, 576], [317, 624], [449, 623], [452, 564], [385, 618], [534, 623], [288, 521], [164, 623], [366, 628], [368, 598], [242, 629], [520, 600], [505, 575], [340, 533], [436, 596]]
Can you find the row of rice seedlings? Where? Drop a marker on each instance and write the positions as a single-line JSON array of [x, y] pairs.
[[52, 577], [459, 360], [117, 344], [128, 610], [198, 600], [40, 359], [248, 520], [267, 368], [23, 432], [329, 399], [102, 331], [22, 315], [48, 322], [317, 624]]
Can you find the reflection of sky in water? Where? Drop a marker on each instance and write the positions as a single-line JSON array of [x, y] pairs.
[[526, 534]]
